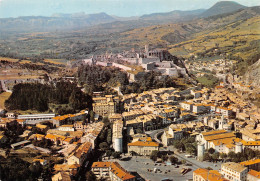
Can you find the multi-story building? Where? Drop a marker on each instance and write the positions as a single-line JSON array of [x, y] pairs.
[[115, 117], [143, 147], [112, 171], [81, 154], [172, 134], [202, 174], [215, 138], [117, 137], [253, 175], [234, 171], [105, 106], [187, 106], [252, 164], [36, 118], [132, 114]]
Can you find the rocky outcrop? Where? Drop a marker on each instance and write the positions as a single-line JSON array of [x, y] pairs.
[[252, 75]]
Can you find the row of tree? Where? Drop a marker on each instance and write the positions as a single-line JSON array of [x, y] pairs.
[[247, 154]]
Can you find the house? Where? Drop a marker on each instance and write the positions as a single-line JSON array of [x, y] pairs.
[[234, 171], [66, 128], [37, 137], [79, 125], [70, 169], [187, 106], [224, 111], [42, 127], [200, 108], [42, 161], [172, 134], [61, 176], [80, 155], [115, 117], [7, 121], [10, 115]]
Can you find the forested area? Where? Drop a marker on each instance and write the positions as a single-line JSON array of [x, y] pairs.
[[36, 96], [97, 78], [150, 80], [18, 169]]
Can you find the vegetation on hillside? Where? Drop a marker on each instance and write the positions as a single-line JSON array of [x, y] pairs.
[[97, 78], [36, 96]]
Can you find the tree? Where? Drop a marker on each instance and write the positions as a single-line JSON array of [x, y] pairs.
[[173, 160], [91, 176], [215, 156], [36, 169], [106, 121], [211, 150], [103, 146], [179, 145], [231, 155], [208, 168], [183, 161], [7, 152], [154, 155], [109, 153], [165, 157], [206, 156], [116, 154], [191, 149], [223, 155], [91, 114]]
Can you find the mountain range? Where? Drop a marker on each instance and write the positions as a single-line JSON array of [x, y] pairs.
[[81, 20]]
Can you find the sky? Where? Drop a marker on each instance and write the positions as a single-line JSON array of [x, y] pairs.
[[125, 8]]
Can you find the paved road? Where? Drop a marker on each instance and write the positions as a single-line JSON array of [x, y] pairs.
[[153, 134]]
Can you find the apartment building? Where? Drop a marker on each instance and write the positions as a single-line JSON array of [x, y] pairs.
[[106, 106], [234, 171], [202, 174], [112, 171], [142, 147]]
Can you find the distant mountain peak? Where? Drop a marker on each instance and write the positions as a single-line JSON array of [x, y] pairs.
[[222, 7]]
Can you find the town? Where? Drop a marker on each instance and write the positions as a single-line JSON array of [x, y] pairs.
[[140, 94], [192, 133]]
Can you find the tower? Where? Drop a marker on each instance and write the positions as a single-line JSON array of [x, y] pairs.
[[222, 122], [238, 147], [146, 47], [201, 150]]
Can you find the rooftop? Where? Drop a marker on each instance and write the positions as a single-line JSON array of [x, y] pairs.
[[250, 162], [234, 166], [254, 173], [144, 143], [211, 175]]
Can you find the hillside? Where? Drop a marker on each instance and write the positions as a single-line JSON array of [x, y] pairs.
[[173, 16], [171, 35], [55, 22], [222, 7]]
